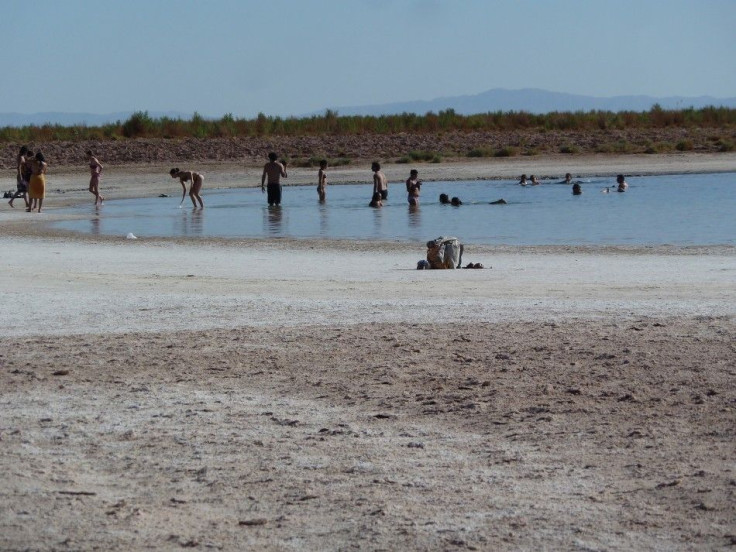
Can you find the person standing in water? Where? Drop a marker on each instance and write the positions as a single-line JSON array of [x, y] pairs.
[[413, 185], [322, 181], [273, 170], [376, 200], [95, 169], [37, 185], [380, 182], [622, 185], [197, 181], [21, 178]]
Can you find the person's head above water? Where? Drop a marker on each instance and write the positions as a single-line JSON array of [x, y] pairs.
[[444, 198], [456, 201]]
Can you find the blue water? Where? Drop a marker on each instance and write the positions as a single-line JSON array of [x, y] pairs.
[[679, 210]]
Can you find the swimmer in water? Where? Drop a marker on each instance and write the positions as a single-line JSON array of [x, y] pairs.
[[376, 200], [622, 185]]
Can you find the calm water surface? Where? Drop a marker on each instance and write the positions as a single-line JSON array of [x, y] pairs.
[[679, 210]]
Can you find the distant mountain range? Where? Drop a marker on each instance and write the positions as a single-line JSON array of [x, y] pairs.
[[532, 100]]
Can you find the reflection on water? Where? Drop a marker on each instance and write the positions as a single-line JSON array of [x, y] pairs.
[[189, 223], [273, 220], [95, 225], [415, 220], [324, 220], [377, 221], [673, 209]]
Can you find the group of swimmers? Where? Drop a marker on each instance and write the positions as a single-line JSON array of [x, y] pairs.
[[31, 182], [275, 170], [621, 185]]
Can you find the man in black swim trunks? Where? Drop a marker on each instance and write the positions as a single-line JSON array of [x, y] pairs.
[[274, 171]]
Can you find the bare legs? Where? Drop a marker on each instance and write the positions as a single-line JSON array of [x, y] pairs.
[[94, 188], [34, 203], [18, 194], [194, 192]]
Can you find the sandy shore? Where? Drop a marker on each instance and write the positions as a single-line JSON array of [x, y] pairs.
[[280, 395]]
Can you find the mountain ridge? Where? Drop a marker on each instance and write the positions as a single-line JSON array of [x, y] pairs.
[[531, 100], [534, 100]]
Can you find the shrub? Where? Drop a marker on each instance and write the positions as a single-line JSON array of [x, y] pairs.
[[139, 124], [481, 152], [508, 151], [421, 155], [569, 149], [725, 145], [685, 145]]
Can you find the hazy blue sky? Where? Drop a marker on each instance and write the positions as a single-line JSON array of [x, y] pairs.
[[289, 57]]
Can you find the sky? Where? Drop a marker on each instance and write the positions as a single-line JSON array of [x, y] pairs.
[[292, 57]]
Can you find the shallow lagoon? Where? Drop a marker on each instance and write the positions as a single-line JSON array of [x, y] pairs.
[[674, 209]]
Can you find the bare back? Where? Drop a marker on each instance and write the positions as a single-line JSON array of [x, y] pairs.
[[274, 171], [380, 182]]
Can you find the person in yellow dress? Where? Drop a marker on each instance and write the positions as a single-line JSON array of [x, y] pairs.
[[37, 185]]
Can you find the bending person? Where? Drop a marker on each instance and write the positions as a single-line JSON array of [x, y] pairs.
[[196, 179]]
